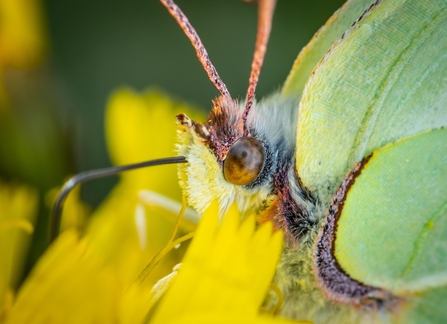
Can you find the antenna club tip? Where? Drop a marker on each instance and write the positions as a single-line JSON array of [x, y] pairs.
[[183, 121]]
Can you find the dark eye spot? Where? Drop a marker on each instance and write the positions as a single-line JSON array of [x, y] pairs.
[[244, 161]]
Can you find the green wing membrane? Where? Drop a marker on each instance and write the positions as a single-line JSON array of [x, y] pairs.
[[320, 43], [384, 80], [392, 231], [428, 308], [382, 89]]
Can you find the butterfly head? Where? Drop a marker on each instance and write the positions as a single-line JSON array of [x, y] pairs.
[[226, 158]]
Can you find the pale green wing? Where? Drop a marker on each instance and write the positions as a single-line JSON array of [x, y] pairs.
[[320, 43], [428, 308], [384, 80], [393, 228], [392, 231]]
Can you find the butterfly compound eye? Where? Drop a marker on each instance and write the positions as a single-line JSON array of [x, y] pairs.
[[244, 161]]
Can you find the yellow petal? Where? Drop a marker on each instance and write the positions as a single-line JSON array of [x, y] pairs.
[[206, 318], [139, 127], [201, 244], [23, 41], [70, 284], [62, 287], [18, 209], [220, 274]]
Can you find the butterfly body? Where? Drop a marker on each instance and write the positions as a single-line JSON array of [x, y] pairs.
[[203, 178], [320, 141], [350, 164]]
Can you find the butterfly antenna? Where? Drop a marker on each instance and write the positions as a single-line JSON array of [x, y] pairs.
[[201, 52], [96, 174], [266, 9]]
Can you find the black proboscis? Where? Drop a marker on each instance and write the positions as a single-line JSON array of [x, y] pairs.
[[96, 174]]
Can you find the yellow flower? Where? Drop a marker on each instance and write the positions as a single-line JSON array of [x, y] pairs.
[[224, 277], [23, 41], [100, 277], [225, 274], [139, 127], [18, 206]]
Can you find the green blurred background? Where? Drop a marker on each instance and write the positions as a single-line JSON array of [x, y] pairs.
[[96, 46], [55, 124]]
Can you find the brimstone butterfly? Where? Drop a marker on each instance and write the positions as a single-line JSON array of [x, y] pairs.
[[349, 159], [372, 250]]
